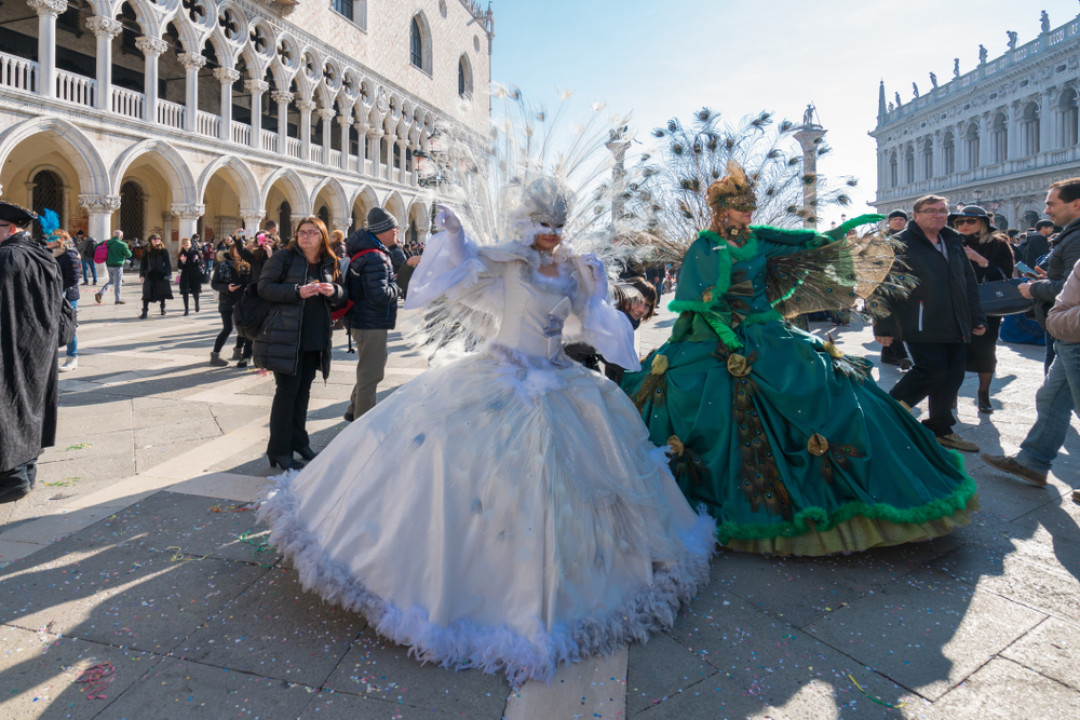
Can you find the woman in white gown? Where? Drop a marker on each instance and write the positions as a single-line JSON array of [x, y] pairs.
[[505, 511]]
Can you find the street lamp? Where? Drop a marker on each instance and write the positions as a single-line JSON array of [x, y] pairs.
[[977, 193]]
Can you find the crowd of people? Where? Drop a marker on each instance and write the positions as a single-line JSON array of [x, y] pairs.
[[557, 505]]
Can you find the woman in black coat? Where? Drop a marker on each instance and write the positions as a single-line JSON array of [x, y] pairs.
[[991, 258], [301, 283], [231, 274], [155, 274], [189, 263]]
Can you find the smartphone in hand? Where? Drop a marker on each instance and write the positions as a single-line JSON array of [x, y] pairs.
[[1025, 269]]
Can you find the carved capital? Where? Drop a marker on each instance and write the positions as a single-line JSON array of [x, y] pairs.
[[186, 211], [103, 26], [191, 61], [48, 7], [282, 97], [305, 105], [257, 86], [344, 120], [326, 113], [226, 75], [151, 46], [99, 203]]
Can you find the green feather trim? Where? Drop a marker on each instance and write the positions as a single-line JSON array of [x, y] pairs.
[[818, 519], [784, 236], [838, 232]]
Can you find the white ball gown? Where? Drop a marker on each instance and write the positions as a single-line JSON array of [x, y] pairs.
[[506, 511]]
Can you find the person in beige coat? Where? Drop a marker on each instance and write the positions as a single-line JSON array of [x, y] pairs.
[[1059, 395]]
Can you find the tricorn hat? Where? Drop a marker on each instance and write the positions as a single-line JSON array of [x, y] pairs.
[[16, 214]]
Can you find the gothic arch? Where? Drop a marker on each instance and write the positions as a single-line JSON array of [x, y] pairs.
[[338, 198], [174, 168], [296, 193], [247, 185], [93, 176]]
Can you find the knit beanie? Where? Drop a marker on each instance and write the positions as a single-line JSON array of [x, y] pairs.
[[379, 221]]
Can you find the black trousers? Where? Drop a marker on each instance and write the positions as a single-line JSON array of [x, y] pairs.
[[17, 482], [937, 374], [894, 353], [288, 413]]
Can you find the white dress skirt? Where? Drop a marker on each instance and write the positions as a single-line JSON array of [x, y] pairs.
[[507, 511]]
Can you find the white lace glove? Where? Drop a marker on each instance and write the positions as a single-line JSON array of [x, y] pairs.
[[599, 276]]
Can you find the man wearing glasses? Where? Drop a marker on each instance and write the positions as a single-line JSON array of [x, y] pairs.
[[936, 320], [31, 292]]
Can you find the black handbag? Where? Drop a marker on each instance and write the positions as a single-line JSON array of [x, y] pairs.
[[1001, 297], [68, 323]]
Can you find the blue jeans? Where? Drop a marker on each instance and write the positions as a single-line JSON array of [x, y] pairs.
[[73, 346], [116, 279], [89, 265], [1055, 402]]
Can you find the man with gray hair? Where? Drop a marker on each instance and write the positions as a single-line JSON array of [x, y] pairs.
[[936, 320]]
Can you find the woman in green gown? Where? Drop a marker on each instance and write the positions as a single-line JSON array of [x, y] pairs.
[[787, 441]]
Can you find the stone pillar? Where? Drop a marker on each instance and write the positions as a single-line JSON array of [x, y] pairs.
[[226, 76], [47, 10], [986, 140], [939, 153], [282, 99], [105, 29], [361, 146], [252, 221], [1013, 125], [192, 64], [256, 88], [326, 115], [809, 137], [188, 216], [376, 154], [342, 224], [345, 122], [305, 107], [151, 48], [99, 209], [1047, 116]]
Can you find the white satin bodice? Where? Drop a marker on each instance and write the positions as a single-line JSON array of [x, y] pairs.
[[536, 309]]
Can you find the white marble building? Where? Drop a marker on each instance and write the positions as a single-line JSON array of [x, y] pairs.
[[997, 135], [172, 116]]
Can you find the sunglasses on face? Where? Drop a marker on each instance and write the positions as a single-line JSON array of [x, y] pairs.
[[965, 221]]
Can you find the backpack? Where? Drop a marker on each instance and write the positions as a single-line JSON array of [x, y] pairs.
[[343, 311], [101, 253]]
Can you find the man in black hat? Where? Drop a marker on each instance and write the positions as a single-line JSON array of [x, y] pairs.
[[31, 291], [370, 280]]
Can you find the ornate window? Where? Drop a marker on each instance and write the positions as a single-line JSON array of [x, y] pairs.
[[894, 173], [464, 78], [948, 153], [49, 193], [420, 43], [971, 147], [909, 165], [928, 158], [999, 136], [132, 211], [1067, 107], [1029, 129]]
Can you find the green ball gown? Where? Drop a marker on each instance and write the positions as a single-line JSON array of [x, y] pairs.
[[788, 442]]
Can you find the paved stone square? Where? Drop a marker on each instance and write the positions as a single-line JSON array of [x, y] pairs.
[[139, 554]]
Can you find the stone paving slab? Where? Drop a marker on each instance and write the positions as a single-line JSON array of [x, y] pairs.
[[39, 670], [927, 631], [377, 669], [1003, 690], [274, 628]]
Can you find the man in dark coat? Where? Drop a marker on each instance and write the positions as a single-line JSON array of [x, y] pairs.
[[31, 293], [1036, 243], [370, 283], [936, 320]]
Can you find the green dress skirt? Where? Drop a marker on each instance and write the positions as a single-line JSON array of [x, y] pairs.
[[786, 441]]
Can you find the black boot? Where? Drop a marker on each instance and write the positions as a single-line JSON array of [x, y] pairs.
[[984, 402], [162, 307], [145, 310], [185, 304], [196, 302]]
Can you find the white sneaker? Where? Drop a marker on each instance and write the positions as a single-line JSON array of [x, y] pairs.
[[71, 363]]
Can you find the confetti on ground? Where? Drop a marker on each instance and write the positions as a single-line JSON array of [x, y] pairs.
[[97, 678], [64, 482], [870, 697], [232, 508], [79, 446], [181, 555]]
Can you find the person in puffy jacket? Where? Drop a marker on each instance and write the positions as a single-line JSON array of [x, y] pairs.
[[374, 258], [189, 263], [231, 274], [155, 274], [301, 282]]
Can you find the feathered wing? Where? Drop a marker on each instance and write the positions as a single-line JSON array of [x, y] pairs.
[[837, 275]]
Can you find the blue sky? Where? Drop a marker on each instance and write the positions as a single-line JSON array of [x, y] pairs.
[[661, 59]]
